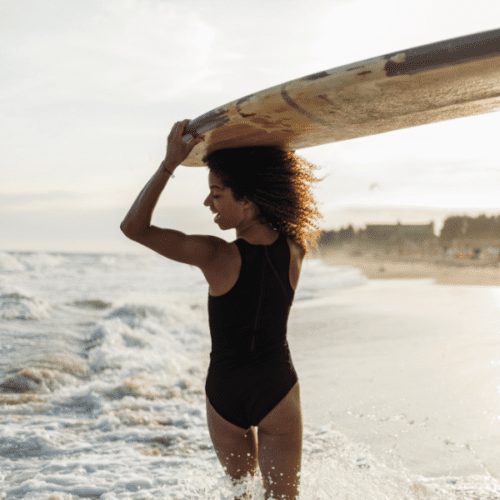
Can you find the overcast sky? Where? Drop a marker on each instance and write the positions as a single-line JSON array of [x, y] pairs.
[[90, 89]]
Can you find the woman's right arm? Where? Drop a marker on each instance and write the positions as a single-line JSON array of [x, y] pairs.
[[195, 250]]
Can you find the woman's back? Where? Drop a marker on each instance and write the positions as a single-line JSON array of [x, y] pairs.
[[252, 316]]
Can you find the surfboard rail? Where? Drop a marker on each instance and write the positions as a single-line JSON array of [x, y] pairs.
[[435, 82]]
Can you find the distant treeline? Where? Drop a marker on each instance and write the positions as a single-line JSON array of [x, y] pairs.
[[340, 236], [455, 227], [332, 236]]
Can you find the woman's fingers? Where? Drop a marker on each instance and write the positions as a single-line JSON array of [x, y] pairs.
[[177, 149]]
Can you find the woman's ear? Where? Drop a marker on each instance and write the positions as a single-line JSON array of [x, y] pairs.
[[248, 203], [250, 206]]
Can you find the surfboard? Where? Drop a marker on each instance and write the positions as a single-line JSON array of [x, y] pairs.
[[440, 81]]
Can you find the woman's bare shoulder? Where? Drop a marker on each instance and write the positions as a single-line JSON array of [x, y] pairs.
[[222, 252]]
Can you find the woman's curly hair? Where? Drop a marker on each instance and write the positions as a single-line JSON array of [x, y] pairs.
[[278, 182]]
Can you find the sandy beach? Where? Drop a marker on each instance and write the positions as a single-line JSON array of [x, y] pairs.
[[444, 272], [408, 368]]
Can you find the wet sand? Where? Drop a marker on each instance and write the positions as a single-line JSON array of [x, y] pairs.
[[443, 272], [407, 367]]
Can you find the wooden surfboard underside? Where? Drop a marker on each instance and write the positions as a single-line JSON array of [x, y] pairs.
[[431, 83]]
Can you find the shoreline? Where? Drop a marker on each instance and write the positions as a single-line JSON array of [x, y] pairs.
[[443, 272]]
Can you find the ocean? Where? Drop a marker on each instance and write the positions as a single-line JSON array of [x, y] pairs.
[[103, 359]]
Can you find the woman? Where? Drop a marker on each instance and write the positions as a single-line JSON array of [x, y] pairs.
[[263, 193]]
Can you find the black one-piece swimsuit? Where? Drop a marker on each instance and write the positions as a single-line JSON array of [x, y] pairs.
[[251, 369]]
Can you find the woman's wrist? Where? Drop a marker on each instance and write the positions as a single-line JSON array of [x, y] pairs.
[[167, 168]]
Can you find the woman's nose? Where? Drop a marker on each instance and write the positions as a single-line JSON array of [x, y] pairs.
[[206, 202]]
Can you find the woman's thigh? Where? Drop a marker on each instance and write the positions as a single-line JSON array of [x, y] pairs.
[[236, 447], [280, 446]]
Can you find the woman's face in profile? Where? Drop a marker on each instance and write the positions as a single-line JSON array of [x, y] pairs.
[[229, 212]]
